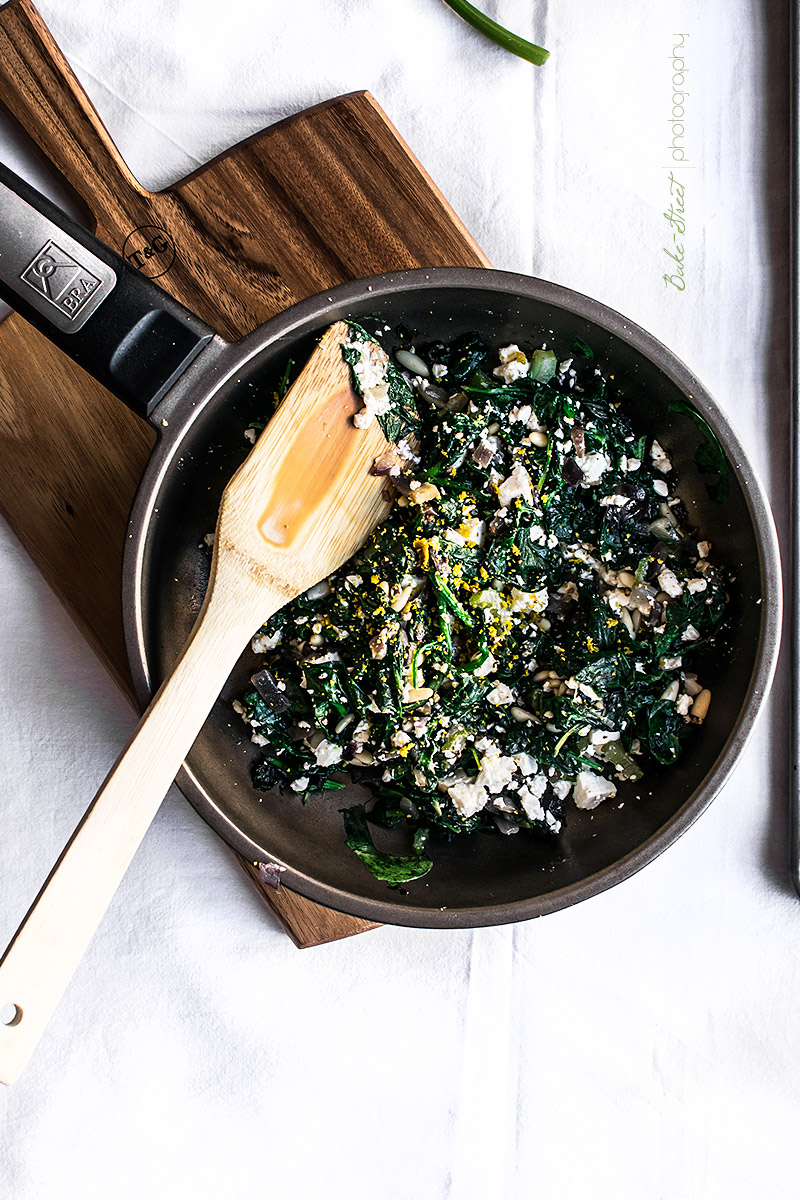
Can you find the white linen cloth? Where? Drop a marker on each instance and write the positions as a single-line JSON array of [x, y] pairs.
[[642, 1044]]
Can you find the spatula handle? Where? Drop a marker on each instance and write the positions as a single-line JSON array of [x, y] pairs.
[[39, 88], [45, 951]]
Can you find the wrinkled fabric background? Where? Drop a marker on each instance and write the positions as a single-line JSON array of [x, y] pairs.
[[642, 1044]]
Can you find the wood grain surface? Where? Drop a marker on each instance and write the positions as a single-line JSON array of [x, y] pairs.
[[329, 195], [279, 529]]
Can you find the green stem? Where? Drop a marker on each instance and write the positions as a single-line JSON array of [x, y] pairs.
[[444, 625], [564, 737], [546, 467], [415, 661], [451, 600], [503, 37]]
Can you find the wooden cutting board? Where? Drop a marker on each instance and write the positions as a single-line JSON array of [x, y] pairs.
[[328, 195]]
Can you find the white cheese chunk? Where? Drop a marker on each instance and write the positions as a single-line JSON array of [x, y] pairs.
[[660, 458], [594, 467], [530, 795], [501, 693], [591, 790], [518, 483], [326, 753]]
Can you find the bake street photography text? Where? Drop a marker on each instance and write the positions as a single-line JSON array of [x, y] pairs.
[[674, 276]]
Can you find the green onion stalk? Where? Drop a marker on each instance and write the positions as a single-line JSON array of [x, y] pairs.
[[503, 37]]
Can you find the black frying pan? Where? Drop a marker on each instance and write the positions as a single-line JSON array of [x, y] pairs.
[[201, 393]]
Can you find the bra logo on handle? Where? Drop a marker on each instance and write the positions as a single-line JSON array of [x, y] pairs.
[[61, 279]]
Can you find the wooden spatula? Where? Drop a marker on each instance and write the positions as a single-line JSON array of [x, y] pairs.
[[299, 506]]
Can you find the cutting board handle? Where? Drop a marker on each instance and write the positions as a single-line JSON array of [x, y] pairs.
[[39, 89]]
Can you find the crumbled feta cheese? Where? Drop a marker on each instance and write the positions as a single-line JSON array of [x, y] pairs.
[[326, 753], [522, 602], [299, 785], [487, 666], [670, 663], [263, 642], [370, 371], [510, 354], [518, 483], [526, 764], [454, 537], [562, 788], [501, 693], [468, 798], [406, 451], [614, 501], [362, 731], [594, 467], [690, 634], [399, 739], [473, 531], [496, 772], [660, 459], [591, 790], [661, 487], [530, 796], [496, 769], [514, 369], [703, 549], [600, 737], [697, 585], [683, 704]]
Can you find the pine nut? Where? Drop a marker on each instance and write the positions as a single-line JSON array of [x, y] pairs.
[[399, 601], [699, 708], [412, 363]]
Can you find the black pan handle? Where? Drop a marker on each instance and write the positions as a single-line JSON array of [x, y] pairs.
[[116, 324]]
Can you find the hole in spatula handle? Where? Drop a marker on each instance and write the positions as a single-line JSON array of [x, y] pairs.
[[10, 1014]]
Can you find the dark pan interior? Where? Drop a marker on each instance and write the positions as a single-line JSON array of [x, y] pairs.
[[480, 879]]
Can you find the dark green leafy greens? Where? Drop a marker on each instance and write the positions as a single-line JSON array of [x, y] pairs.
[[709, 456], [391, 868], [522, 626]]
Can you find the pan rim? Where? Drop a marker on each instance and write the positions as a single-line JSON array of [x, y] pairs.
[[189, 397]]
